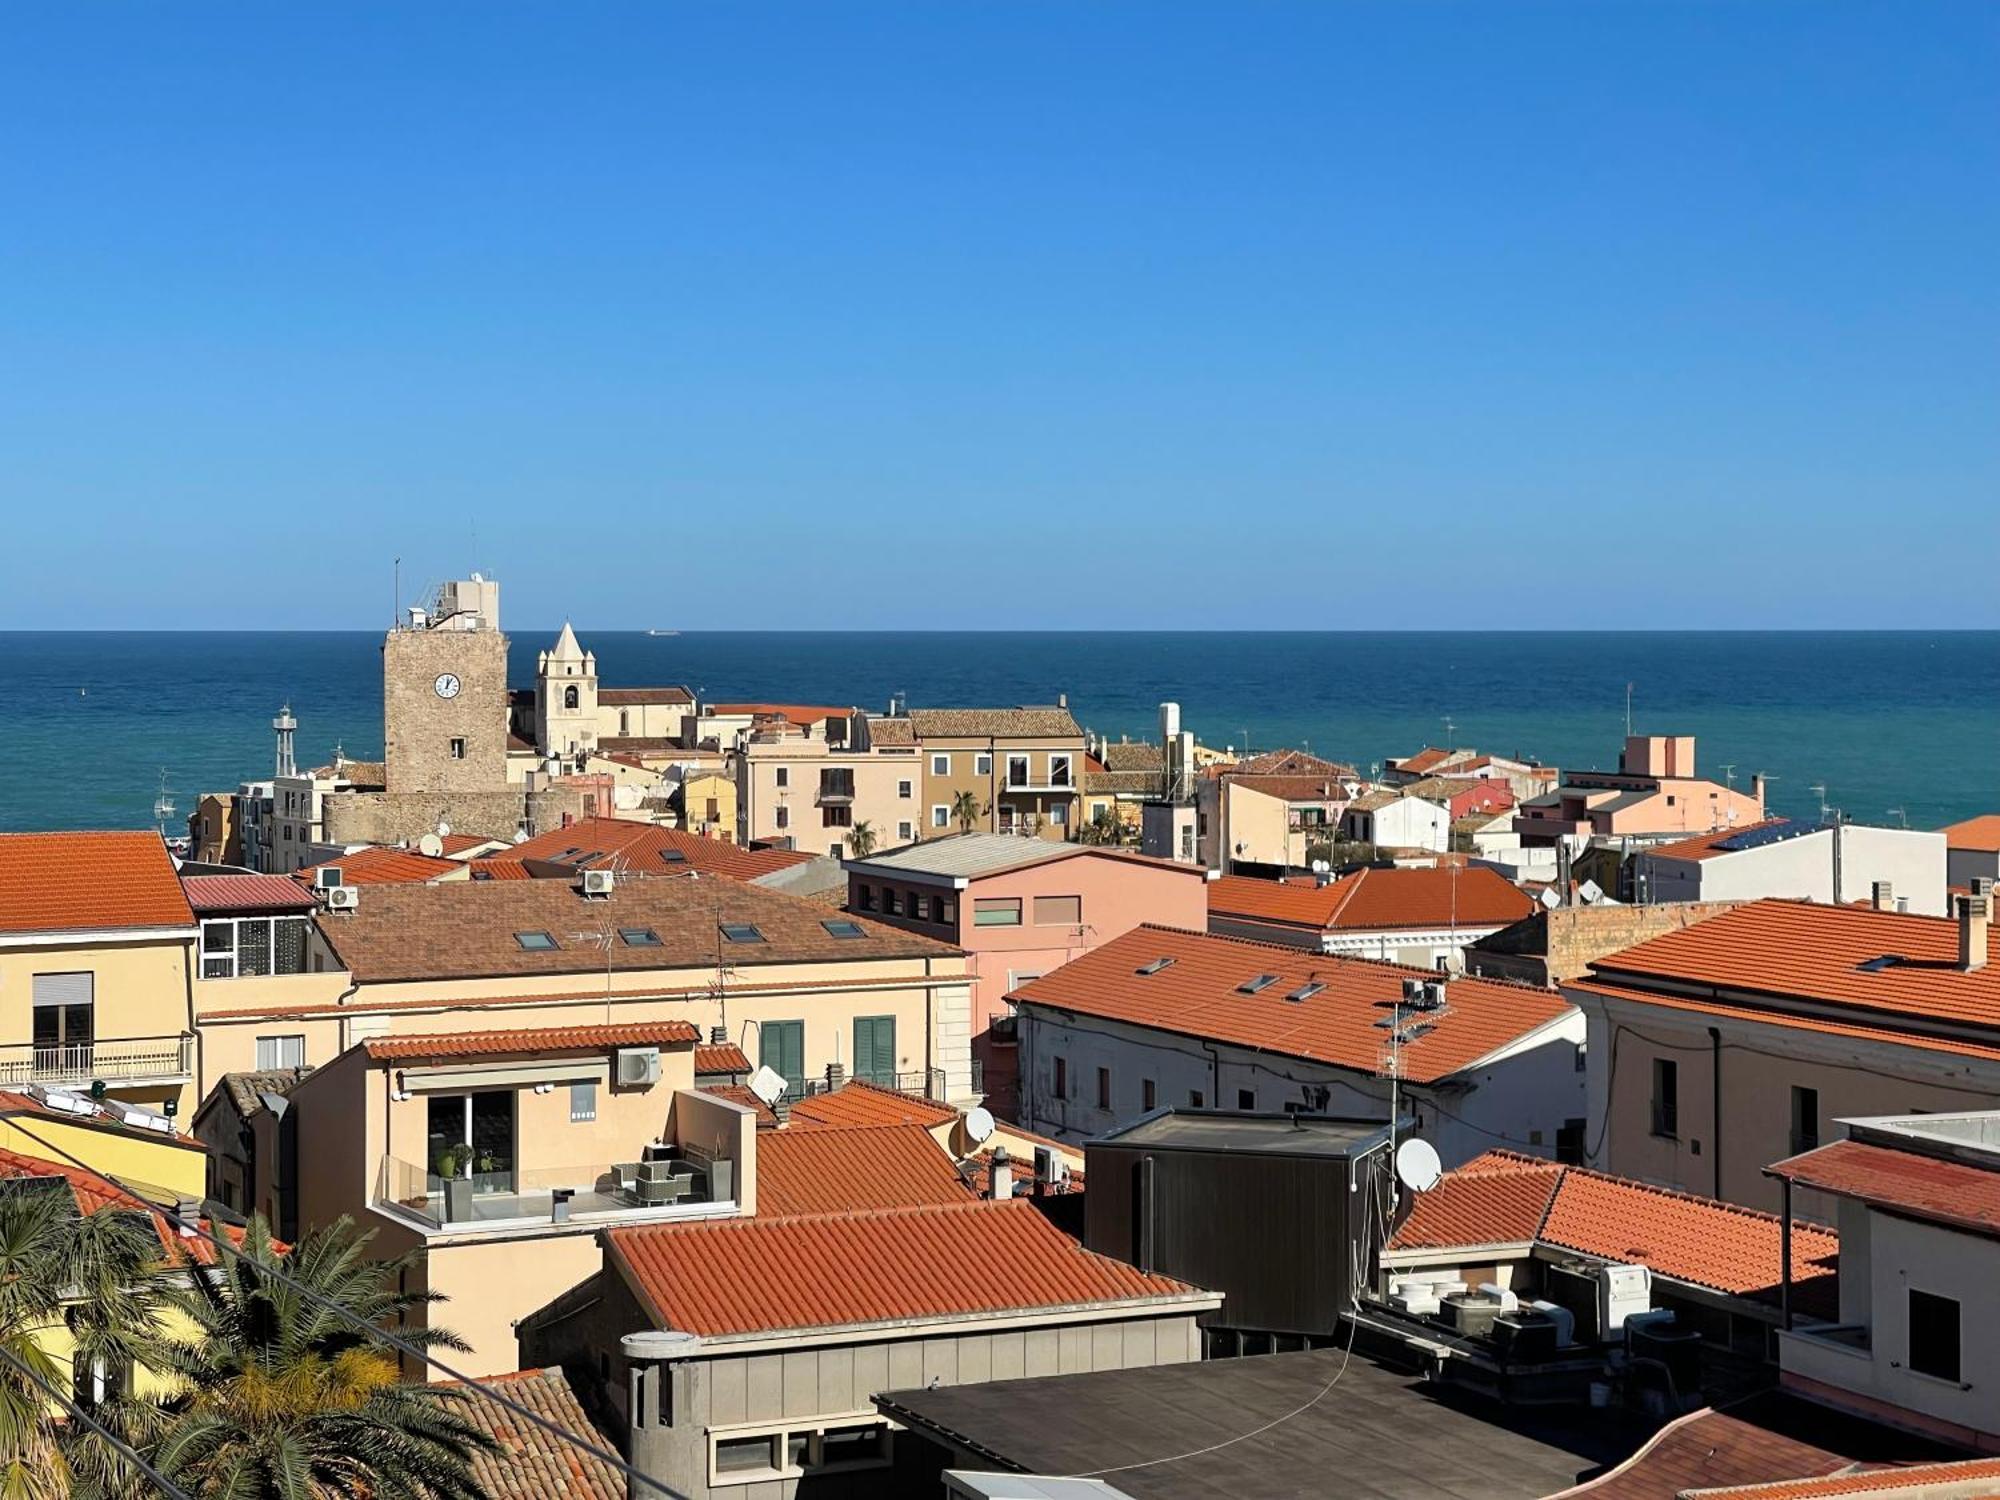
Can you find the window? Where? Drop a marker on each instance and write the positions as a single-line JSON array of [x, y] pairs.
[[65, 1020], [280, 1052], [940, 815], [940, 765], [1196, 1099], [535, 942], [784, 777], [1307, 991], [1059, 770], [1934, 1335], [864, 896], [906, 832], [1104, 1088], [746, 1455], [836, 781], [906, 790], [1805, 1119], [624, 721], [742, 932], [1017, 770], [837, 815], [892, 901], [795, 1452], [996, 911], [947, 910], [1059, 815], [1666, 1097], [569, 697], [712, 810], [1148, 1094], [1152, 967], [1061, 1086], [875, 1050], [457, 748], [1058, 911], [1246, 1098], [583, 1101], [784, 818], [1259, 982], [781, 1047], [843, 929], [638, 937]]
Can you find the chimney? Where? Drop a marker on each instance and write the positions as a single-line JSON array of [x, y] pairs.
[[1062, 700], [1757, 787], [1973, 913], [1002, 1170], [1884, 896], [836, 1075], [717, 1035]]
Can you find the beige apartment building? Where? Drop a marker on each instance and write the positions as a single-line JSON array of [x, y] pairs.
[[1022, 768], [798, 788], [798, 986], [1719, 1048]]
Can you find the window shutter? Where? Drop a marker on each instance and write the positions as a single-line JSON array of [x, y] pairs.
[[65, 989]]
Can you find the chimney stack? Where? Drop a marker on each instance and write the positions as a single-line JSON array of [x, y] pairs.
[[1002, 1170], [1884, 895], [1757, 787], [1974, 911]]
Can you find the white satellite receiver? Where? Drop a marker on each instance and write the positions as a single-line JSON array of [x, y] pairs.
[[768, 1084], [1417, 1165]]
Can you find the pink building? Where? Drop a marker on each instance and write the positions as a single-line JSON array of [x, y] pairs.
[[1653, 793], [1020, 908]]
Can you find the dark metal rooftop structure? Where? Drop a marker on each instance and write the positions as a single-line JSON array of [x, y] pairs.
[[1265, 1133]]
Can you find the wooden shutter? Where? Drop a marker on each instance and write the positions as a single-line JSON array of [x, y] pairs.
[[875, 1049]]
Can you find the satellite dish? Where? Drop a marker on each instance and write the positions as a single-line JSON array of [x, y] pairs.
[[978, 1124], [1550, 898], [1591, 892], [768, 1085], [1417, 1165], [430, 844], [443, 828]]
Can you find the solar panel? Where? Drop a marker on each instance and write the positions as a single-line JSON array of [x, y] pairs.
[[1769, 833]]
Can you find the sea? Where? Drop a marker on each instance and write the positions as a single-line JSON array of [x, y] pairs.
[[1894, 726]]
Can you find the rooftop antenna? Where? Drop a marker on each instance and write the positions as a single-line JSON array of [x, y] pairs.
[[1819, 789], [1729, 776], [1901, 814], [1448, 728], [395, 593], [1628, 710]]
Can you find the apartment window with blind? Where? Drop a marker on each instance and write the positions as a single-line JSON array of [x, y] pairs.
[[583, 1101], [65, 1016], [1058, 911], [274, 1052], [996, 911], [1805, 1119]]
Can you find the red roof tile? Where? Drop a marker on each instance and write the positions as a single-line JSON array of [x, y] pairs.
[[93, 1191], [1707, 1449], [858, 1103], [1870, 1481], [217, 893], [1369, 900], [1703, 845], [532, 1040], [381, 865], [739, 1093], [1982, 832], [796, 713], [835, 1270], [1924, 1187], [88, 882], [1198, 995], [634, 848], [728, 1058], [533, 1463], [1503, 1198], [1827, 954], [832, 1170]]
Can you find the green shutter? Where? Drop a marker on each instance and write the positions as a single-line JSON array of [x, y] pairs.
[[875, 1049], [781, 1047]]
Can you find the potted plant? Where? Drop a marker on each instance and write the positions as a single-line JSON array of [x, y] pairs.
[[457, 1187]]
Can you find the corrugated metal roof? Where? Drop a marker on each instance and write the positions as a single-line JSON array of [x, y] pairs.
[[240, 893]]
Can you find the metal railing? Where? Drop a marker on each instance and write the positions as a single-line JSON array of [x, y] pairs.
[[926, 1083], [69, 1063], [556, 1193]]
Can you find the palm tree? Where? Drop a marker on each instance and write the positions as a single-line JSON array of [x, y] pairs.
[[1104, 827], [861, 839], [965, 808], [284, 1397], [97, 1275]]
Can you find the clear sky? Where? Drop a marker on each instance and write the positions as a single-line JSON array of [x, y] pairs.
[[1010, 315]]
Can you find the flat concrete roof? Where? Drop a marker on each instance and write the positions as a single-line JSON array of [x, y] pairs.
[[1261, 1133]]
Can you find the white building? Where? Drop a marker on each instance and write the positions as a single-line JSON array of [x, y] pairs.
[[1836, 864], [1162, 1017], [1391, 820]]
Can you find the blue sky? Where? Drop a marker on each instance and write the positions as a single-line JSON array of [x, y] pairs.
[[1024, 315]]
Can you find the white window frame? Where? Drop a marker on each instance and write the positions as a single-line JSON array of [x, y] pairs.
[[906, 832], [1027, 771], [940, 815], [982, 764], [905, 790], [582, 1101], [1069, 769], [277, 1059], [814, 1430], [940, 763]]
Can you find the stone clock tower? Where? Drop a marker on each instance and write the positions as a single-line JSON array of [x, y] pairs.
[[444, 695]]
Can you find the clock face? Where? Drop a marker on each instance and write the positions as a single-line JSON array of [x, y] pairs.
[[447, 685]]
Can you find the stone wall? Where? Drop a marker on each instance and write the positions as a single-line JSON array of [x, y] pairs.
[[1573, 937], [396, 817], [422, 728]]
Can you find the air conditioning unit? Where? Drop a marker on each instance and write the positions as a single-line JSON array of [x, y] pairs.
[[326, 877], [1050, 1168], [1622, 1292], [638, 1066], [598, 882], [343, 897]]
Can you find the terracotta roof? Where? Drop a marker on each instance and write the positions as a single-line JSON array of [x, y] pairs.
[[1982, 832], [1831, 955], [634, 848], [532, 1040], [894, 1265], [1371, 900], [1424, 761], [382, 865], [1871, 1481], [831, 1171], [247, 1090], [1293, 788], [215, 893], [1130, 755], [859, 1103], [1703, 845], [1922, 1187], [1506, 1198], [739, 1093], [467, 928], [1708, 1449], [896, 731], [535, 1464], [458, 843], [630, 697], [1287, 763], [795, 713], [497, 867], [726, 1058], [1198, 995], [993, 723], [86, 882]]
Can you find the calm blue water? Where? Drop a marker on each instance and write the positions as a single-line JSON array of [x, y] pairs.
[[1886, 720]]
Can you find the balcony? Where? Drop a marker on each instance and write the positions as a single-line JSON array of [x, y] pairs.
[[131, 1060], [926, 1083], [667, 1187]]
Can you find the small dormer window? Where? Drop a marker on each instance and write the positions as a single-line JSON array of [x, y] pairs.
[[842, 929], [742, 932], [1305, 992], [535, 942], [1146, 970], [1252, 986]]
